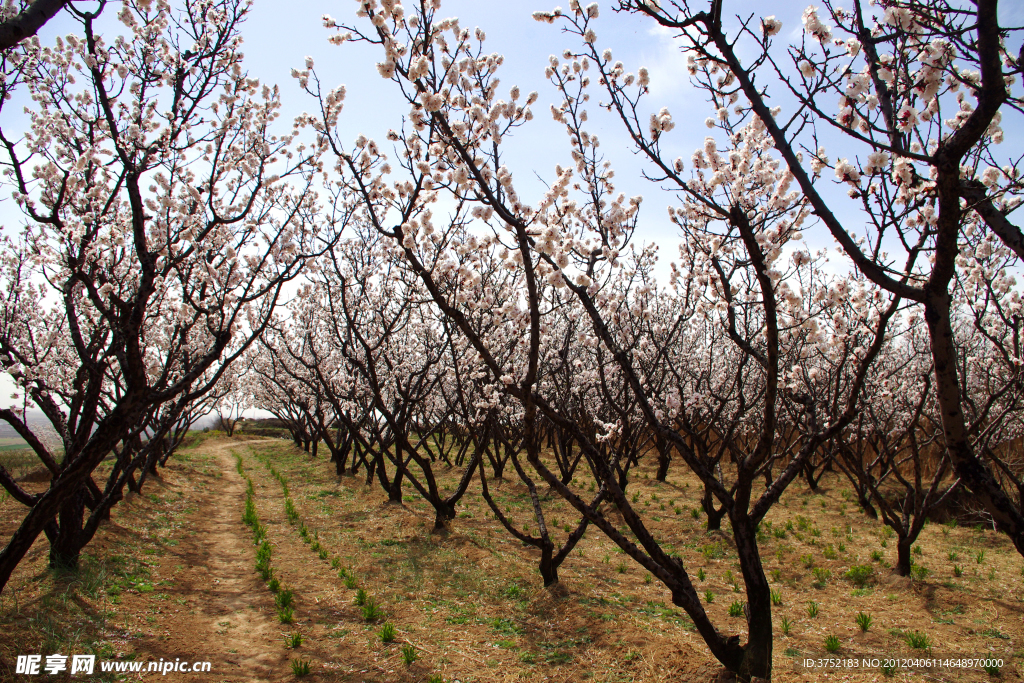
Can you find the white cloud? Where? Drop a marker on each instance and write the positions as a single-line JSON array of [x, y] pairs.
[[667, 64]]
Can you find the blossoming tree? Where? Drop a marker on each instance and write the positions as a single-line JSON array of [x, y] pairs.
[[922, 89], [164, 219], [739, 217]]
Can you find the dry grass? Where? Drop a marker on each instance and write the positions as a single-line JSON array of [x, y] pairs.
[[606, 622], [124, 586], [471, 601]]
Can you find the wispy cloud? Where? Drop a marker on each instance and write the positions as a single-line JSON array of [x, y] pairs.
[[667, 64]]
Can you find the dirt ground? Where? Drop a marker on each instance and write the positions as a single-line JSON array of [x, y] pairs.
[[173, 576]]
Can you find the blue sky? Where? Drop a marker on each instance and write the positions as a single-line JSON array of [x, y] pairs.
[[278, 40], [279, 36], [372, 105]]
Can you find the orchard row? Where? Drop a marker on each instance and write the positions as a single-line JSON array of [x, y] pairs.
[[404, 305]]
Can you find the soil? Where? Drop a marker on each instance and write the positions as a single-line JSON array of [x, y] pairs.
[[172, 576], [232, 609]]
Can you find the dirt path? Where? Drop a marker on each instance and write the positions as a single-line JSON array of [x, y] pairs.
[[228, 612], [232, 621]]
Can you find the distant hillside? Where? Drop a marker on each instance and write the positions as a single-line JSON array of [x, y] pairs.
[[10, 439]]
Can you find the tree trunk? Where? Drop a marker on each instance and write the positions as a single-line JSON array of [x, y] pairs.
[[371, 467], [812, 481], [443, 516], [663, 460], [757, 653], [340, 456], [548, 569], [395, 487], [49, 504], [974, 473], [26, 23], [903, 555], [67, 546], [663, 463], [714, 515], [868, 508]]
